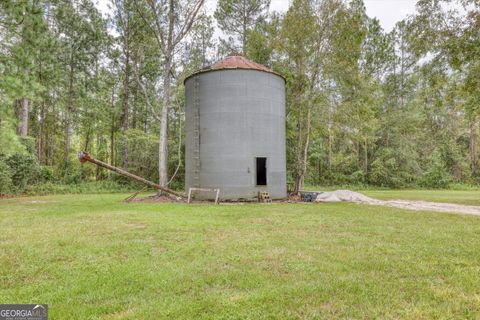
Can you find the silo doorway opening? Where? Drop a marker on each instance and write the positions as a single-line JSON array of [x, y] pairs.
[[261, 168]]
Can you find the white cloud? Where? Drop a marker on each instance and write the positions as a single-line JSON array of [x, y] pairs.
[[388, 12]]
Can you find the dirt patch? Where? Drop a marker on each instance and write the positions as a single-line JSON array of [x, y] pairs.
[[158, 198], [167, 199], [7, 196], [434, 206], [350, 196]]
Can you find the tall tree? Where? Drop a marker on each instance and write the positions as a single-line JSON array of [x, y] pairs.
[[79, 40], [238, 18], [25, 28], [170, 22], [124, 22]]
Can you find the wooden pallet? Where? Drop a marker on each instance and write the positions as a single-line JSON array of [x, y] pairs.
[[191, 190], [264, 196]]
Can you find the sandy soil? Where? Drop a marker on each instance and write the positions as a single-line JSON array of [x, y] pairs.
[[434, 206], [350, 196]]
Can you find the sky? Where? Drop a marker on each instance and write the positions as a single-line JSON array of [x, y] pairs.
[[388, 12]]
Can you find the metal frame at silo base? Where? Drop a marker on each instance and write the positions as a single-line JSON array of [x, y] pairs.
[[234, 116]]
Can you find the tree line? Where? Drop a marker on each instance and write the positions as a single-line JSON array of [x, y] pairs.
[[364, 106]]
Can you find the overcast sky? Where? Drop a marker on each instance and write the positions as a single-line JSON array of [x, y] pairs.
[[387, 11]]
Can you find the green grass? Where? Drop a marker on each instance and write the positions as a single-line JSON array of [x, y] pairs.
[[94, 257]]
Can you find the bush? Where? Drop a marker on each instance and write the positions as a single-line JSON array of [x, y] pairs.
[[106, 186], [358, 177], [393, 169], [24, 168], [5, 178], [74, 173], [436, 177], [46, 174]]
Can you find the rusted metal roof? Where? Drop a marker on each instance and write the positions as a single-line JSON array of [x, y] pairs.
[[235, 61]]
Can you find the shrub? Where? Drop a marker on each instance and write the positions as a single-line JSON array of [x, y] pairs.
[[393, 169], [46, 174], [105, 186], [24, 168], [5, 178], [358, 177], [436, 177]]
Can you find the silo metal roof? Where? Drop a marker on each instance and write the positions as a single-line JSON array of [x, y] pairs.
[[235, 61]]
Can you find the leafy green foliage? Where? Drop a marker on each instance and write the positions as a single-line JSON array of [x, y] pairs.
[[93, 187], [437, 175], [24, 168], [46, 174], [5, 178], [237, 18], [364, 106]]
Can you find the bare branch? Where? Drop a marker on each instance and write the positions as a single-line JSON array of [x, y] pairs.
[[189, 20]]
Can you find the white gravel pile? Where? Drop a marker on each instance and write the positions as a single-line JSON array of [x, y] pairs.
[[345, 195]]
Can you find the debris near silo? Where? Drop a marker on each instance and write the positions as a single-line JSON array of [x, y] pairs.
[[345, 195], [309, 196]]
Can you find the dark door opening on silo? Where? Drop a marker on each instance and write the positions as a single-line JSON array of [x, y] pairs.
[[261, 166]]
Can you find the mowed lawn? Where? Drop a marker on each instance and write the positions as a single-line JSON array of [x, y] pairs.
[[94, 257]]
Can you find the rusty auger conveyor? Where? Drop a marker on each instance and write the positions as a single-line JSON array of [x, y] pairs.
[[84, 156]]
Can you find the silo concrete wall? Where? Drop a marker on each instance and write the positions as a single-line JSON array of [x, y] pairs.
[[242, 116]]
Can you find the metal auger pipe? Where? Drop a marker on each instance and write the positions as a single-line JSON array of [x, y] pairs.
[[84, 156]]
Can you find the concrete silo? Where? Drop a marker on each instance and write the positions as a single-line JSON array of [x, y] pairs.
[[235, 129]]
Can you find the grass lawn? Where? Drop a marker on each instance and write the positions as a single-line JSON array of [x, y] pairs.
[[93, 257]]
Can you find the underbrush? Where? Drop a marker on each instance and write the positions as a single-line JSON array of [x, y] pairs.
[[106, 186], [364, 187]]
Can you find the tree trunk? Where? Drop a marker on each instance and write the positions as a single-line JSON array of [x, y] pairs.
[[68, 115], [22, 129], [366, 158], [87, 139], [244, 36], [126, 92], [330, 138], [112, 129], [41, 129], [135, 109], [358, 157], [298, 158], [473, 147], [306, 147], [98, 171], [163, 140]]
